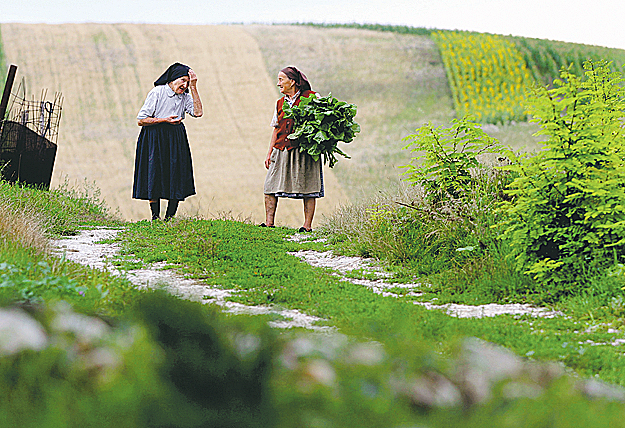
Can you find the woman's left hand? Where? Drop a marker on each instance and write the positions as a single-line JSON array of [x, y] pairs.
[[192, 78]]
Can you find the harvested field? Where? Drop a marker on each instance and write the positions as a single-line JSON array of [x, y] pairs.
[[104, 72]]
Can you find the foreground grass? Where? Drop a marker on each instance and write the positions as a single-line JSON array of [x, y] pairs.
[[255, 262], [184, 345]]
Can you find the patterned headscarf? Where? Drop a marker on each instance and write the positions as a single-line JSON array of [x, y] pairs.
[[301, 81]]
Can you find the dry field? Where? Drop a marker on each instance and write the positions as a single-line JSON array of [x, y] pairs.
[[396, 80], [104, 72]]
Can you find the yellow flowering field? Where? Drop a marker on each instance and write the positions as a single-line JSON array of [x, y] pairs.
[[487, 75]]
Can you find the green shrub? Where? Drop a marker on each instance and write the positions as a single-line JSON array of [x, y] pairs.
[[215, 372], [447, 160], [566, 222]]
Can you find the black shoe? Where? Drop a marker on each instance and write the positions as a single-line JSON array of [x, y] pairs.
[[264, 225], [304, 230], [155, 208], [172, 207]]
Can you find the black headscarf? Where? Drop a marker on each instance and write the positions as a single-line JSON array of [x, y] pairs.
[[301, 81], [174, 71]]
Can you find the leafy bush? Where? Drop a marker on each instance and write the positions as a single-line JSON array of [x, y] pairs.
[[446, 162], [320, 124], [566, 221]]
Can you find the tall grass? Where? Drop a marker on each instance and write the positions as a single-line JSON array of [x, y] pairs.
[[22, 226], [61, 210]]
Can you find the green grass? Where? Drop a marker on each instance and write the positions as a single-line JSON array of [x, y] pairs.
[[253, 260]]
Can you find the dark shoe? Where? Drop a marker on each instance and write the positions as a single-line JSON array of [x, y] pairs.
[[172, 207], [155, 208], [264, 225], [304, 230]]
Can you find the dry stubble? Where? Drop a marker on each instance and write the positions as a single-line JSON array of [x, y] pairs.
[[104, 72]]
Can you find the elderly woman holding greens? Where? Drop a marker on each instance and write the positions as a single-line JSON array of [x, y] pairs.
[[163, 167], [291, 173]]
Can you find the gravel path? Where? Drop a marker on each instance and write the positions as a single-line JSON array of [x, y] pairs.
[[343, 265], [85, 248]]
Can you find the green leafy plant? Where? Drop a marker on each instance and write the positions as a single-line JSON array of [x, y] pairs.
[[566, 221], [446, 162], [320, 124]]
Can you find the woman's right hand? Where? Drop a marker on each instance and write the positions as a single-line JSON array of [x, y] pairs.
[[268, 160], [173, 120]]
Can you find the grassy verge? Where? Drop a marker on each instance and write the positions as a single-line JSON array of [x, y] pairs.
[[29, 272], [255, 262], [176, 355]]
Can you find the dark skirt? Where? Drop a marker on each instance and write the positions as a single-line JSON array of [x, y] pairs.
[[163, 168]]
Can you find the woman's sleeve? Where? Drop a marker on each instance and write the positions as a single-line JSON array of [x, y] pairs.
[[274, 119], [149, 107], [188, 104]]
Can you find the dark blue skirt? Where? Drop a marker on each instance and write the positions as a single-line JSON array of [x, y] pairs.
[[163, 168]]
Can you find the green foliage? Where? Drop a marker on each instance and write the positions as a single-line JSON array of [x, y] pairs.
[[320, 124], [215, 371], [545, 58], [566, 222], [167, 363], [447, 164]]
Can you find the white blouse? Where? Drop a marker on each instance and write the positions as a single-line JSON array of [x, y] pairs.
[[163, 102], [290, 100]]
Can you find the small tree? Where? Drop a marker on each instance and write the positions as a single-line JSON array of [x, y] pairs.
[[567, 216], [446, 162]]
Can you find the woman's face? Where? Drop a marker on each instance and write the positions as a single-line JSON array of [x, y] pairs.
[[180, 84], [286, 85]]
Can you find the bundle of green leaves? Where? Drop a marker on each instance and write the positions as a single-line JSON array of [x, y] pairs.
[[320, 124]]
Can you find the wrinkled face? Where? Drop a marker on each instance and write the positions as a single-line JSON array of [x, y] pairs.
[[180, 84], [285, 84]]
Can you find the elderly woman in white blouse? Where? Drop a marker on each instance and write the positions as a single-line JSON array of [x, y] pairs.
[[163, 167]]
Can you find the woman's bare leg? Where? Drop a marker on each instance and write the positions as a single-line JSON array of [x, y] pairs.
[[271, 204], [309, 212]]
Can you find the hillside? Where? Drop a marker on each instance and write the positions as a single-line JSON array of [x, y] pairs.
[[104, 71]]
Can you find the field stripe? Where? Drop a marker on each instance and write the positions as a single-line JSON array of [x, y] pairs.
[[104, 72]]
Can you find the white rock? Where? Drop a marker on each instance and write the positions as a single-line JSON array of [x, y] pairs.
[[19, 331]]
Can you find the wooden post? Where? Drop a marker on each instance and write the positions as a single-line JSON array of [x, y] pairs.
[[7, 91]]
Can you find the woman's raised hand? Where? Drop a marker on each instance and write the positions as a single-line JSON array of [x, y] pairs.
[[192, 78]]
